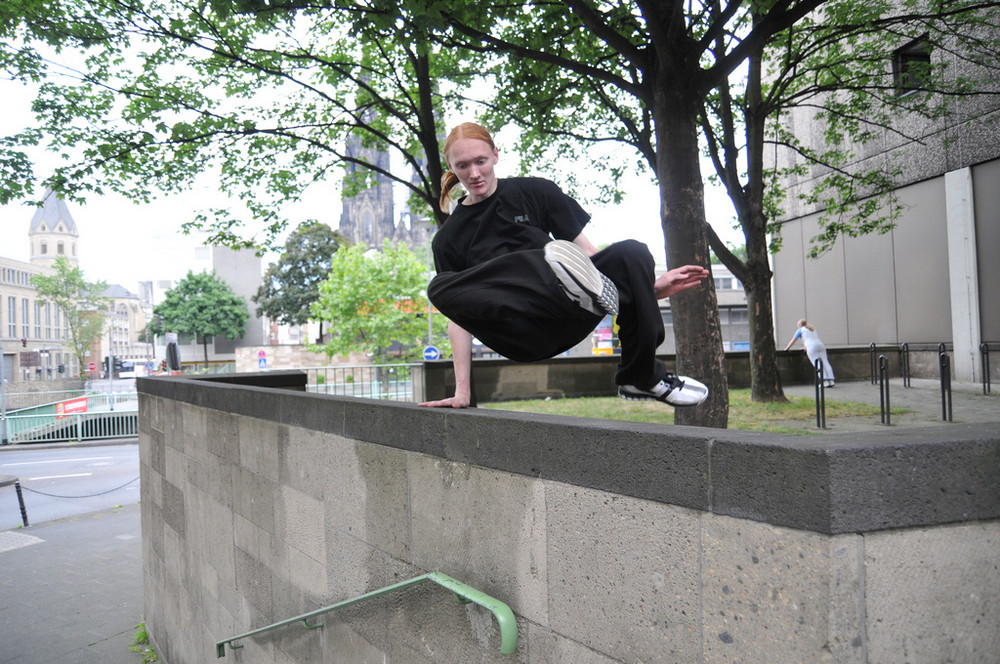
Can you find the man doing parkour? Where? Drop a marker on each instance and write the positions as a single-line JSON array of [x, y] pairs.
[[515, 270]]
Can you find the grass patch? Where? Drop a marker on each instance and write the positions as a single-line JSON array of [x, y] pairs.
[[140, 645], [744, 414]]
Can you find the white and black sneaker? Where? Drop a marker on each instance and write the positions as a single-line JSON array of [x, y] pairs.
[[581, 280], [673, 390]]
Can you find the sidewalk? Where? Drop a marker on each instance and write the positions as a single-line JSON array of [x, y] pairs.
[[923, 398], [71, 590]]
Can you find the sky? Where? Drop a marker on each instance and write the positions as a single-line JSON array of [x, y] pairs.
[[122, 242]]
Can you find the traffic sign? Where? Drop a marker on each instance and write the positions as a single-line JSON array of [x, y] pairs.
[[92, 366], [431, 353], [262, 363]]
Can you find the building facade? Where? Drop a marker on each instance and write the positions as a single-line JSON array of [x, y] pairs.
[[33, 332], [933, 278]]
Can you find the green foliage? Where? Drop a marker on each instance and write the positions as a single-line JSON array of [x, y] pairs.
[[291, 284], [374, 302], [267, 97], [205, 306], [82, 303]]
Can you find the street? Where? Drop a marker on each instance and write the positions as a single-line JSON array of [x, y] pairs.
[[58, 482]]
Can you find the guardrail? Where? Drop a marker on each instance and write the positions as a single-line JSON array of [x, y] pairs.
[[463, 594], [394, 382], [104, 416]]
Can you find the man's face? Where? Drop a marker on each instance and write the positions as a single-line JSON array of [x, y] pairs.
[[472, 160]]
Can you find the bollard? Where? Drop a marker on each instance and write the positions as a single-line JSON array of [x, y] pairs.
[[871, 361], [984, 349], [905, 358], [820, 396], [945, 363], [883, 390], [20, 501]]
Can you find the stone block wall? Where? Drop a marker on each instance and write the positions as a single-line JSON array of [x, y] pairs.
[[611, 542]]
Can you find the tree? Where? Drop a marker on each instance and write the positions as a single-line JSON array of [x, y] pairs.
[[169, 89], [82, 303], [291, 284], [374, 302], [573, 76], [204, 306]]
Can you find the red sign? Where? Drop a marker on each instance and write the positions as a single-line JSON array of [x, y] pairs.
[[67, 408], [92, 366]]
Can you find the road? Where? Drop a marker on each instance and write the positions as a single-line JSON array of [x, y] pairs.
[[58, 482]]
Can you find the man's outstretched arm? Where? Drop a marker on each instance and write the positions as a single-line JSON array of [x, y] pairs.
[[461, 353]]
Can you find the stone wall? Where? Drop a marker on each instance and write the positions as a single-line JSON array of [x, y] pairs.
[[611, 542]]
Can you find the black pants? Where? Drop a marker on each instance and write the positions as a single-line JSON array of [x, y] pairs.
[[516, 306]]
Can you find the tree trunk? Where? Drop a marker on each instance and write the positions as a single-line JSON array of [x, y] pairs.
[[765, 383], [698, 334]]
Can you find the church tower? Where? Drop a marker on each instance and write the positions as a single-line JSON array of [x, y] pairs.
[[367, 218], [53, 233]]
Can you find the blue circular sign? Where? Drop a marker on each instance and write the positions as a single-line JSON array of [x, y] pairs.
[[431, 353]]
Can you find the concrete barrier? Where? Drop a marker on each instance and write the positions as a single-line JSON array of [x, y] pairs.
[[612, 542]]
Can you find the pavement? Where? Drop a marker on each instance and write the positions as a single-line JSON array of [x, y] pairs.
[[71, 589], [918, 406]]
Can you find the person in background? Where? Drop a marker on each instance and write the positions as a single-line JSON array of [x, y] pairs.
[[815, 349], [515, 270]]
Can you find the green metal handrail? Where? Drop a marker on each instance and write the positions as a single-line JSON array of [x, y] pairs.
[[463, 594]]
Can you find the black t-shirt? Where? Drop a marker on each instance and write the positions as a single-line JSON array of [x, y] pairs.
[[523, 213]]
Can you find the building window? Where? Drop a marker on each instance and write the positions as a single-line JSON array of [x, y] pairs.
[[45, 248], [60, 249], [911, 67], [38, 320], [12, 317], [24, 318], [48, 320]]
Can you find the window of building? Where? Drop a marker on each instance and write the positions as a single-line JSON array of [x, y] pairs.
[[45, 248], [24, 318], [12, 316], [911, 66], [48, 320], [60, 248], [38, 320]]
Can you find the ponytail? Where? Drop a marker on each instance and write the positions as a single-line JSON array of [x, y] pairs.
[[448, 182]]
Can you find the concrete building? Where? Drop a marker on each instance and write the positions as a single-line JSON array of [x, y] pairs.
[[933, 278], [242, 271], [33, 332]]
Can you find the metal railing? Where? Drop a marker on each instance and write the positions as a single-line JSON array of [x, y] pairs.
[[883, 390], [944, 363], [820, 395], [984, 350], [394, 382], [106, 416], [463, 594]]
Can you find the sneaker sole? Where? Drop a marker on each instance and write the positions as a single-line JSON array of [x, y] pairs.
[[639, 396], [575, 270]]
